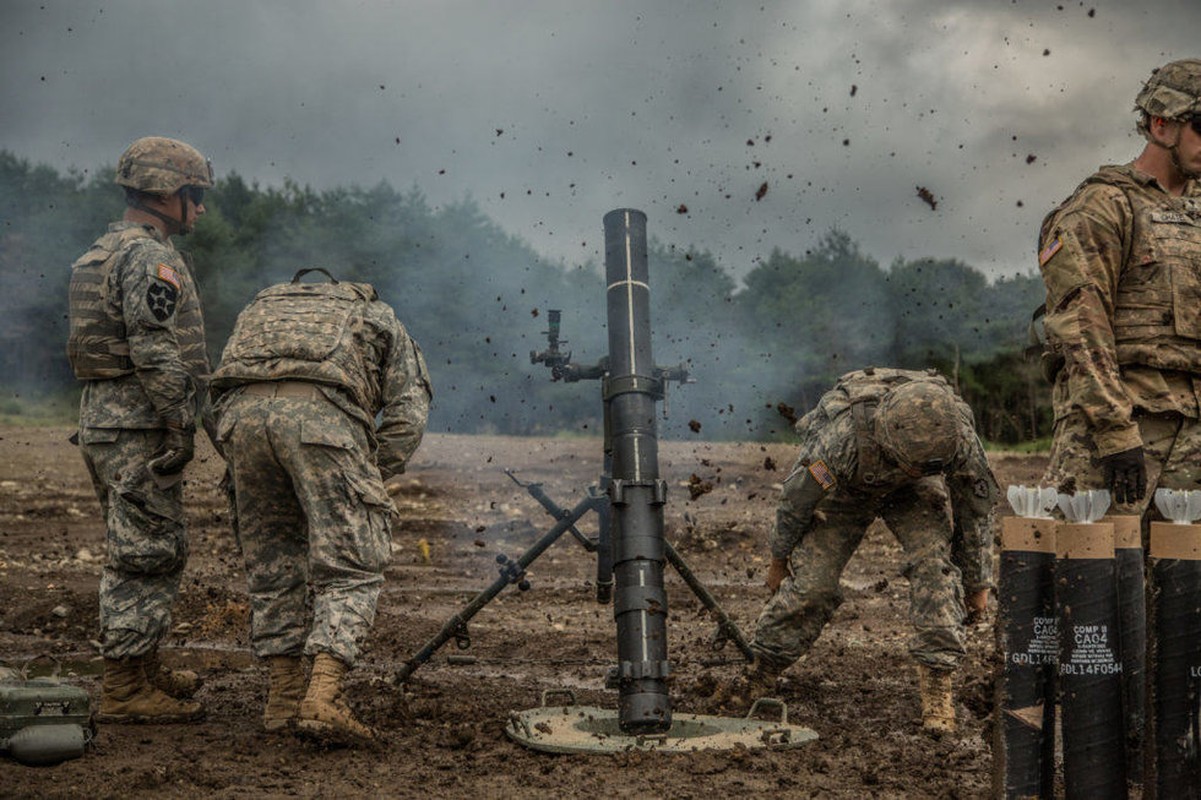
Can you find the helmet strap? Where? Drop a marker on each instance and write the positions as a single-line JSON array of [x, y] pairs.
[[174, 225]]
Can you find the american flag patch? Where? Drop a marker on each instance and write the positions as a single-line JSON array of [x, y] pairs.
[[1051, 249], [821, 473], [165, 273]]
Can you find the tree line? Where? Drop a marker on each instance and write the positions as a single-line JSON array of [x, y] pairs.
[[760, 351]]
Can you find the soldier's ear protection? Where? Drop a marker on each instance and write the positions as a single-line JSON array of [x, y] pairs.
[[296, 278]]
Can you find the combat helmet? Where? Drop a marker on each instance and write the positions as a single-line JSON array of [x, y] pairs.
[[158, 165], [917, 425], [1173, 91]]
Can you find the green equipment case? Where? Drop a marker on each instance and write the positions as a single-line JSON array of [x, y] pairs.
[[43, 720]]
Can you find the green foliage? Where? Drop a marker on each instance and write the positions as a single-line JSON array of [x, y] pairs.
[[475, 298]]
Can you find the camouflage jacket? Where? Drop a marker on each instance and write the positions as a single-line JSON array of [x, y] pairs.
[[343, 338], [1121, 260], [840, 462], [137, 332]]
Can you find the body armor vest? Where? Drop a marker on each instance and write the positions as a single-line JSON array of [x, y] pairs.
[[864, 389], [98, 344], [302, 331], [1157, 308]]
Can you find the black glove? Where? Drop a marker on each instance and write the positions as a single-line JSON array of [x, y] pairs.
[[1126, 475], [176, 452]]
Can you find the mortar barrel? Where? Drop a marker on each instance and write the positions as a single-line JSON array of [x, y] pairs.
[[637, 493]]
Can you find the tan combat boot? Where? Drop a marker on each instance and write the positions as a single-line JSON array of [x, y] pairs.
[[323, 714], [938, 701], [127, 695], [284, 691], [179, 683]]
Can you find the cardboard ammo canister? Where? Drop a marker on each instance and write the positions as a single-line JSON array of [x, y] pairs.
[[1175, 662], [1089, 663], [1132, 634], [1024, 746]]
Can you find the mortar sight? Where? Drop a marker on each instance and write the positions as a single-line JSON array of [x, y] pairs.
[[559, 360], [552, 356]]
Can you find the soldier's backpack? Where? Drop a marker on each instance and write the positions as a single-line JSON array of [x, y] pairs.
[[43, 721]]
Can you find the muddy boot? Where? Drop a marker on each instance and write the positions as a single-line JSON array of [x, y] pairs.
[[284, 692], [324, 715], [127, 695], [179, 683], [758, 680], [938, 701]]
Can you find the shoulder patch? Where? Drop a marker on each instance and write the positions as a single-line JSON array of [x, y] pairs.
[[165, 273], [1050, 250], [821, 473]]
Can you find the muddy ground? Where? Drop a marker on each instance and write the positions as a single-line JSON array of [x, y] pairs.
[[445, 731]]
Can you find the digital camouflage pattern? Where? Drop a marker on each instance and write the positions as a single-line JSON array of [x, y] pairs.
[[1120, 262], [137, 342], [146, 542], [841, 482], [1173, 91], [300, 384], [311, 508], [341, 337], [136, 332], [159, 165]]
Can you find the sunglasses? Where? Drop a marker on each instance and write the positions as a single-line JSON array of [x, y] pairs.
[[1195, 124], [193, 193]]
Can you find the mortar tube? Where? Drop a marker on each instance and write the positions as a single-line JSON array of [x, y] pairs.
[[1024, 746], [637, 493], [1176, 660], [1089, 665], [1132, 634]]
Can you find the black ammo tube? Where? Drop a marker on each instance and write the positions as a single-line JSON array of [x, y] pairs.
[[1176, 659], [1132, 634], [1026, 638], [1090, 668], [637, 492]]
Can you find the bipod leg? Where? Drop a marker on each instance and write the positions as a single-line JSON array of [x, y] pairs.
[[727, 631], [511, 572]]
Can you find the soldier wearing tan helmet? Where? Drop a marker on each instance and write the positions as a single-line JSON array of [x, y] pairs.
[[892, 444], [137, 344], [1121, 260]]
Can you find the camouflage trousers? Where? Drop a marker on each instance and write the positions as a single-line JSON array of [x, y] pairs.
[[313, 521], [794, 617], [146, 540], [1171, 448]]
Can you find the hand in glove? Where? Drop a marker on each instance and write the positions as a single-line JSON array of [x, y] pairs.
[[176, 452], [1126, 475]]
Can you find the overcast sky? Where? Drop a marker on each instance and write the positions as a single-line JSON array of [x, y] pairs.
[[549, 114]]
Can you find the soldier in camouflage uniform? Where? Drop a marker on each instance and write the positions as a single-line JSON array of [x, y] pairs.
[[1121, 259], [306, 373], [894, 444], [137, 343]]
